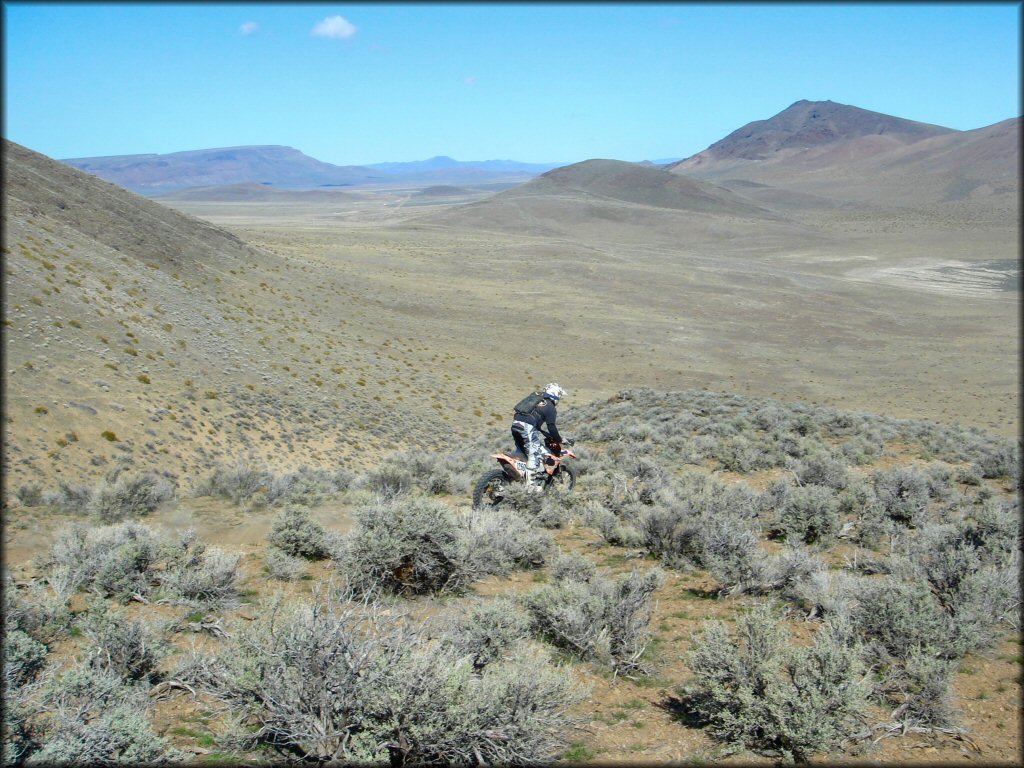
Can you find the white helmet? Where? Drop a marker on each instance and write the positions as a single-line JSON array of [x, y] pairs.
[[555, 392]]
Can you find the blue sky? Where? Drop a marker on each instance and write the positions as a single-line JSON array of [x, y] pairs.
[[356, 84]]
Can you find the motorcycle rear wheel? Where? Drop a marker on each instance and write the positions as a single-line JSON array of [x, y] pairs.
[[490, 489]]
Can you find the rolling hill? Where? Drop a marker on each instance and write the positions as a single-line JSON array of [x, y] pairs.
[[612, 198]]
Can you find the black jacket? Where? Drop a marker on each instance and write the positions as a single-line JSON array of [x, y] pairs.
[[543, 413]]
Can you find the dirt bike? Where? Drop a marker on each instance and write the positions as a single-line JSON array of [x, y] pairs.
[[491, 487]]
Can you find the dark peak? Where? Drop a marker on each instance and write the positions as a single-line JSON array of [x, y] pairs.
[[806, 124]]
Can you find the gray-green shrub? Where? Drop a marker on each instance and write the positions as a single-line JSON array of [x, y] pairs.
[[759, 691], [118, 560], [129, 648], [499, 540], [40, 612], [196, 574], [733, 557], [343, 681], [389, 481], [896, 618], [129, 496], [70, 499], [999, 461], [810, 513], [618, 530], [788, 570], [572, 566], [282, 566], [921, 691], [306, 486], [29, 494], [296, 533], [24, 658], [822, 470], [903, 492], [92, 718], [400, 473], [131, 560], [994, 527], [242, 482], [600, 619], [490, 631], [975, 590], [409, 544], [702, 522]]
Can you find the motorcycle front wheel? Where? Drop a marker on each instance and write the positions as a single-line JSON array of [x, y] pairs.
[[564, 479], [490, 489]]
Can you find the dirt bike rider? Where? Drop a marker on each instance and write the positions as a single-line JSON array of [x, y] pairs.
[[532, 411]]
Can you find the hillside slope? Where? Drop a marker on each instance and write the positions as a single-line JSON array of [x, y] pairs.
[[136, 336]]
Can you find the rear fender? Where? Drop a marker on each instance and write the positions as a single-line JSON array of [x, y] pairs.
[[514, 468]]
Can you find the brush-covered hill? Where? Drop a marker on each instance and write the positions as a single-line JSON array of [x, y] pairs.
[[153, 174], [138, 336], [613, 199], [843, 154]]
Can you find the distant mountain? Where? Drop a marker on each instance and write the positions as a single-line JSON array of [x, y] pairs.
[[445, 163], [274, 165], [819, 154], [288, 168]]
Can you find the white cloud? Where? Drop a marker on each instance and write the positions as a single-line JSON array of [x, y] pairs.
[[249, 28], [337, 27]]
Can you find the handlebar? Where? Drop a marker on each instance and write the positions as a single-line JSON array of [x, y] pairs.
[[567, 441]]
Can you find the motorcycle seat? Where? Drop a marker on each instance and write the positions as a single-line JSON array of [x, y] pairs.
[[518, 455]]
